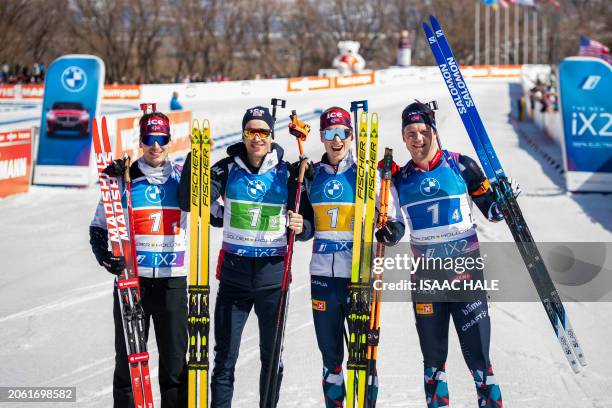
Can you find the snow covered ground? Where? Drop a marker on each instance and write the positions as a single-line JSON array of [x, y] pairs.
[[56, 302]]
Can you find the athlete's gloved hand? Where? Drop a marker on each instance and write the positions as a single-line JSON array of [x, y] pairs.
[[116, 168], [495, 214], [294, 169], [515, 187], [295, 222], [394, 166], [113, 264], [388, 234]]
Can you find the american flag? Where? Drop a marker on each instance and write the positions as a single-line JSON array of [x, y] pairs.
[[592, 48]]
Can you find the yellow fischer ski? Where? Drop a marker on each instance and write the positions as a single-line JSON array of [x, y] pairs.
[[198, 319], [366, 259], [359, 294]]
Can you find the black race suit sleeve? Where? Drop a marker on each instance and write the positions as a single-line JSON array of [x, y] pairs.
[[477, 184]]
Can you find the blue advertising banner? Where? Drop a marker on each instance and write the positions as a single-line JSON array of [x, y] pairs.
[[73, 88], [585, 86]]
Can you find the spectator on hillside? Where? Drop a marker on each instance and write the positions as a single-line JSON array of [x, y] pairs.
[[174, 102]]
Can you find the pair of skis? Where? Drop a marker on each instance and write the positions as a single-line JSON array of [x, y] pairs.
[[198, 292], [363, 317], [121, 236], [505, 197]]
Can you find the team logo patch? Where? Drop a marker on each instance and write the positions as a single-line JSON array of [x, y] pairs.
[[74, 79], [424, 309], [256, 189], [319, 305], [155, 194], [429, 186], [333, 189]]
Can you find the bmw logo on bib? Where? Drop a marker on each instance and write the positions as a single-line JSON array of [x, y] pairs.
[[429, 186], [74, 79], [333, 189], [155, 194], [256, 189]]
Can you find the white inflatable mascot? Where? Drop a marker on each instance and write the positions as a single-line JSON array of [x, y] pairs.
[[349, 61]]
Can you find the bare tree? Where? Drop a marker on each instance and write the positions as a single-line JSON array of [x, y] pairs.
[[12, 14], [144, 40], [194, 35], [304, 50], [107, 28], [359, 20], [42, 33], [234, 16], [148, 36]]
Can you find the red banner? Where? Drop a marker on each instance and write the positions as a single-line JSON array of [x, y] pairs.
[[32, 91], [350, 80], [7, 92], [121, 92], [308, 83], [15, 161], [491, 71]]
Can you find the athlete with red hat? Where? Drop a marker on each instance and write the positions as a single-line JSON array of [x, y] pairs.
[[331, 192], [159, 227]]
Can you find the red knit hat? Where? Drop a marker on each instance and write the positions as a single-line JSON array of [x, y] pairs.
[[335, 116], [154, 124]]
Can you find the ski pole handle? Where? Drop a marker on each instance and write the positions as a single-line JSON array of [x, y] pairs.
[[128, 163], [277, 102], [355, 105], [148, 108], [301, 172], [298, 129]]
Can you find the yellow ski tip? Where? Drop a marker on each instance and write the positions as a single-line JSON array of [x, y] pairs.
[[195, 131], [206, 131]]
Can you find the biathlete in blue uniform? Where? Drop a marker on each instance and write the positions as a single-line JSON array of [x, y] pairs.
[[159, 232], [436, 190], [257, 188], [331, 192]]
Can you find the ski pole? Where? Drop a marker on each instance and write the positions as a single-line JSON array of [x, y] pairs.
[[276, 103], [270, 396], [374, 327]]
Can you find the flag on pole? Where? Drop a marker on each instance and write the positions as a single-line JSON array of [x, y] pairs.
[[592, 48]]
